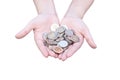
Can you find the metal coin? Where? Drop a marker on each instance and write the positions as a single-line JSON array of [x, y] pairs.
[[64, 26], [52, 35], [61, 29], [61, 34], [63, 43], [54, 43], [54, 27], [69, 32], [59, 39], [57, 49], [51, 42], [74, 38], [68, 40]]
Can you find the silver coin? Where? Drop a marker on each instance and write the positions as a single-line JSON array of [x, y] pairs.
[[51, 42], [52, 35], [74, 38], [54, 27], [68, 40], [61, 29], [63, 43], [59, 39], [64, 26], [69, 32], [61, 34]]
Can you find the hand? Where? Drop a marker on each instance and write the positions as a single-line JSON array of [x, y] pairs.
[[81, 31], [39, 25]]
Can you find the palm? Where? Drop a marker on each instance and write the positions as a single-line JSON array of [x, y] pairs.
[[39, 25], [81, 31]]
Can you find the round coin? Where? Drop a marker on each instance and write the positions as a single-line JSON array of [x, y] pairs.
[[57, 49], [69, 32], [63, 43], [49, 41], [74, 38], [68, 40], [64, 26], [61, 34], [59, 39], [61, 29], [54, 27], [52, 35]]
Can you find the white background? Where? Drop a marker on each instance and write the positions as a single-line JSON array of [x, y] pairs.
[[21, 59]]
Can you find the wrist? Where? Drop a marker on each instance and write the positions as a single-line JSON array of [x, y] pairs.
[[45, 6], [78, 8], [74, 14]]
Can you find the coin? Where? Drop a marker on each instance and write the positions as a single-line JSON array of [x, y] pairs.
[[63, 43], [69, 32], [59, 39], [57, 49], [54, 27], [61, 29], [61, 34], [51, 42], [64, 26], [52, 35], [68, 40], [74, 38]]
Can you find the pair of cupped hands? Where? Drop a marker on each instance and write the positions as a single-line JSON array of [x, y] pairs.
[[42, 24]]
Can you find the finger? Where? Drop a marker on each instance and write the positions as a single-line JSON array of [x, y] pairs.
[[64, 55], [52, 54], [75, 47], [24, 32], [60, 56], [89, 39], [85, 32], [42, 48]]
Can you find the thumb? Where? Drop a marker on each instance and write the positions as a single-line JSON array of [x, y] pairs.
[[24, 32], [88, 36], [89, 39]]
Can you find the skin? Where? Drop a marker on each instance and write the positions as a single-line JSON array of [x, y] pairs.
[[40, 24], [73, 19], [47, 16]]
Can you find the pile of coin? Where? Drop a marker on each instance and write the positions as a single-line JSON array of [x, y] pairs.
[[59, 38]]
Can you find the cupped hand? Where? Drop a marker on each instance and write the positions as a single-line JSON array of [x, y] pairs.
[[81, 30], [39, 25]]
